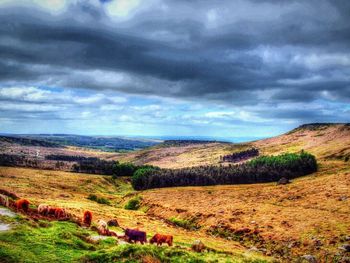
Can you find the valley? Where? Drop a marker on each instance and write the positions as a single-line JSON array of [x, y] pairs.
[[239, 223]]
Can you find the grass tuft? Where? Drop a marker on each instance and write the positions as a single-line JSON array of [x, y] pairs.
[[133, 203], [100, 200]]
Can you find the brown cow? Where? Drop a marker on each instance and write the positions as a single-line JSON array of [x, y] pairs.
[[9, 194], [135, 235], [87, 218], [4, 200], [160, 239], [43, 209], [60, 213], [102, 228], [51, 211], [22, 204]]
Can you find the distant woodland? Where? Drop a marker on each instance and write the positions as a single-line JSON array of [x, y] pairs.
[[260, 170], [240, 156]]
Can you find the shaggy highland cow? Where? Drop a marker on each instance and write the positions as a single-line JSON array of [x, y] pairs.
[[51, 211], [4, 200], [102, 228], [87, 218], [160, 239], [22, 204], [43, 209], [133, 235], [60, 213], [9, 194]]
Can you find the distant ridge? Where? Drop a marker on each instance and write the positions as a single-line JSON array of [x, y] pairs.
[[317, 126], [105, 143], [188, 142], [28, 141]]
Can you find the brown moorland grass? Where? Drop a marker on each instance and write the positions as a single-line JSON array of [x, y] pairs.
[[312, 208], [326, 142], [309, 216], [185, 156]]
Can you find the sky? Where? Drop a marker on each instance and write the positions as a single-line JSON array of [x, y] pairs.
[[235, 68]]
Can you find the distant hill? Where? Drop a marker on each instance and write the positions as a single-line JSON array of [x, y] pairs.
[[105, 143], [180, 143], [324, 140], [27, 141]]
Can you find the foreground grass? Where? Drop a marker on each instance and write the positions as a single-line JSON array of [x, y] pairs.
[[70, 191], [43, 241], [148, 253]]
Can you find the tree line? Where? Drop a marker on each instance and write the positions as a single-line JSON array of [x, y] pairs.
[[17, 160], [240, 156], [260, 170], [73, 163], [70, 158]]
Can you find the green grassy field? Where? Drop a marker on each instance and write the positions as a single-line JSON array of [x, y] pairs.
[[45, 241]]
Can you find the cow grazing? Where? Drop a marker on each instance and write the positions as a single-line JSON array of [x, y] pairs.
[[51, 211], [60, 213], [160, 239], [4, 200], [87, 218], [22, 204], [43, 209], [102, 228], [113, 222], [102, 223], [9, 194], [133, 235]]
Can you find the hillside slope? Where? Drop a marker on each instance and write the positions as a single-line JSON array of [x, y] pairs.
[[325, 141], [309, 216]]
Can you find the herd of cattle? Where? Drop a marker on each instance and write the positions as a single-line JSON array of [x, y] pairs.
[[44, 211]]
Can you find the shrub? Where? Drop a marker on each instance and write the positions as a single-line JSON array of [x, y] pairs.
[[190, 224], [141, 177], [240, 156], [100, 200], [133, 204], [128, 169], [123, 169]]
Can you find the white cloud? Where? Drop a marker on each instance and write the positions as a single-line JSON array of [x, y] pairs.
[[318, 61], [36, 95], [28, 107], [121, 8], [53, 6], [23, 93]]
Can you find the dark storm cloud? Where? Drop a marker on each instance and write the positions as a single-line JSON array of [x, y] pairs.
[[188, 50]]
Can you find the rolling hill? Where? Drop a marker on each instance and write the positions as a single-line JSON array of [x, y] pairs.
[[308, 218], [325, 141]]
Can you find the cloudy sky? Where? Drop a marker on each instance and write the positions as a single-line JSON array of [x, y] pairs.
[[160, 67]]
